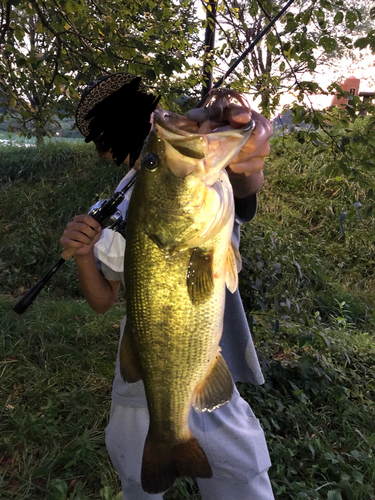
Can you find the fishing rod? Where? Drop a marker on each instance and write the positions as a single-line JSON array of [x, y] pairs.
[[105, 211], [250, 49]]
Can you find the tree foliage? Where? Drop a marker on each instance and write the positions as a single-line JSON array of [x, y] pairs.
[[312, 33], [52, 48]]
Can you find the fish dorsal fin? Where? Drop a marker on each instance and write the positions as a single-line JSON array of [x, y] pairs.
[[232, 267], [216, 389], [199, 276]]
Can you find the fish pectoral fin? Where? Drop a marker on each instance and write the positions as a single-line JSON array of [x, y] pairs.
[[199, 276], [128, 363], [216, 389], [232, 268]]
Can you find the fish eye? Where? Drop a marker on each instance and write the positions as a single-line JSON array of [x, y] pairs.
[[150, 161]]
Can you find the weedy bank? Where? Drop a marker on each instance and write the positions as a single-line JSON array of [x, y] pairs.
[[307, 286]]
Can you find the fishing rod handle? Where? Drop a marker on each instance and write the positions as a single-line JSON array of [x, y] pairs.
[[103, 212], [68, 253], [29, 297]]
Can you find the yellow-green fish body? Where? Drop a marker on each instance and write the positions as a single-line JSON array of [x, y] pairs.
[[178, 261]]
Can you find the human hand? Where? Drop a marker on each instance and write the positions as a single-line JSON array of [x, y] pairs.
[[245, 170], [251, 157], [80, 236]]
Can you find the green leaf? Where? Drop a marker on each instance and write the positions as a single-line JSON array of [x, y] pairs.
[[69, 7], [167, 69], [60, 489], [19, 34], [338, 19], [361, 43], [371, 439], [253, 8], [357, 476], [106, 493], [329, 44], [306, 17], [261, 303], [320, 16], [350, 19], [334, 495]]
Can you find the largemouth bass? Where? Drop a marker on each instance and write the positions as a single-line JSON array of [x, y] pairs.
[[178, 261]]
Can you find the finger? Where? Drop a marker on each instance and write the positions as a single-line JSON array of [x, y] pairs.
[[248, 167], [68, 243], [258, 144], [78, 236], [252, 150], [263, 125], [198, 115], [237, 115], [87, 219], [83, 228], [206, 127], [70, 247]]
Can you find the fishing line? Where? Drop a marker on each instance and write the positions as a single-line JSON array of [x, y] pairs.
[[250, 49]]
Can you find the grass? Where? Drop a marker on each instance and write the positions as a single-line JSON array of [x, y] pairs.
[[12, 139], [56, 371], [308, 292]]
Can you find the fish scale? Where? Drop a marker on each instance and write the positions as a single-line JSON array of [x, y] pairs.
[[171, 334]]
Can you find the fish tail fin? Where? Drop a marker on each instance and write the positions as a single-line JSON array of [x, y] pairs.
[[162, 464], [158, 470], [190, 459]]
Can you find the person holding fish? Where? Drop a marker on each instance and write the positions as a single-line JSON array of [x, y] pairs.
[[185, 341]]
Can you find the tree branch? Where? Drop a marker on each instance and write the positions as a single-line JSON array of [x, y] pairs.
[[6, 24]]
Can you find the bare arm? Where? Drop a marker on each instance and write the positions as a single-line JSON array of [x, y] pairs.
[[100, 293], [81, 235], [244, 185]]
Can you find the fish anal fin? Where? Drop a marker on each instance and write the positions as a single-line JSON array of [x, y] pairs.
[[128, 363], [199, 276], [163, 463], [232, 267], [216, 389]]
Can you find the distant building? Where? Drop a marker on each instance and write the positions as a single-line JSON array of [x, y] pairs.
[[350, 85], [367, 96]]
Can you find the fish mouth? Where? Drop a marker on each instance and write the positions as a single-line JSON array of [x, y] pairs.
[[188, 150]]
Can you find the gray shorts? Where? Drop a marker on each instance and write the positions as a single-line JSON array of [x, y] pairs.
[[231, 437]]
